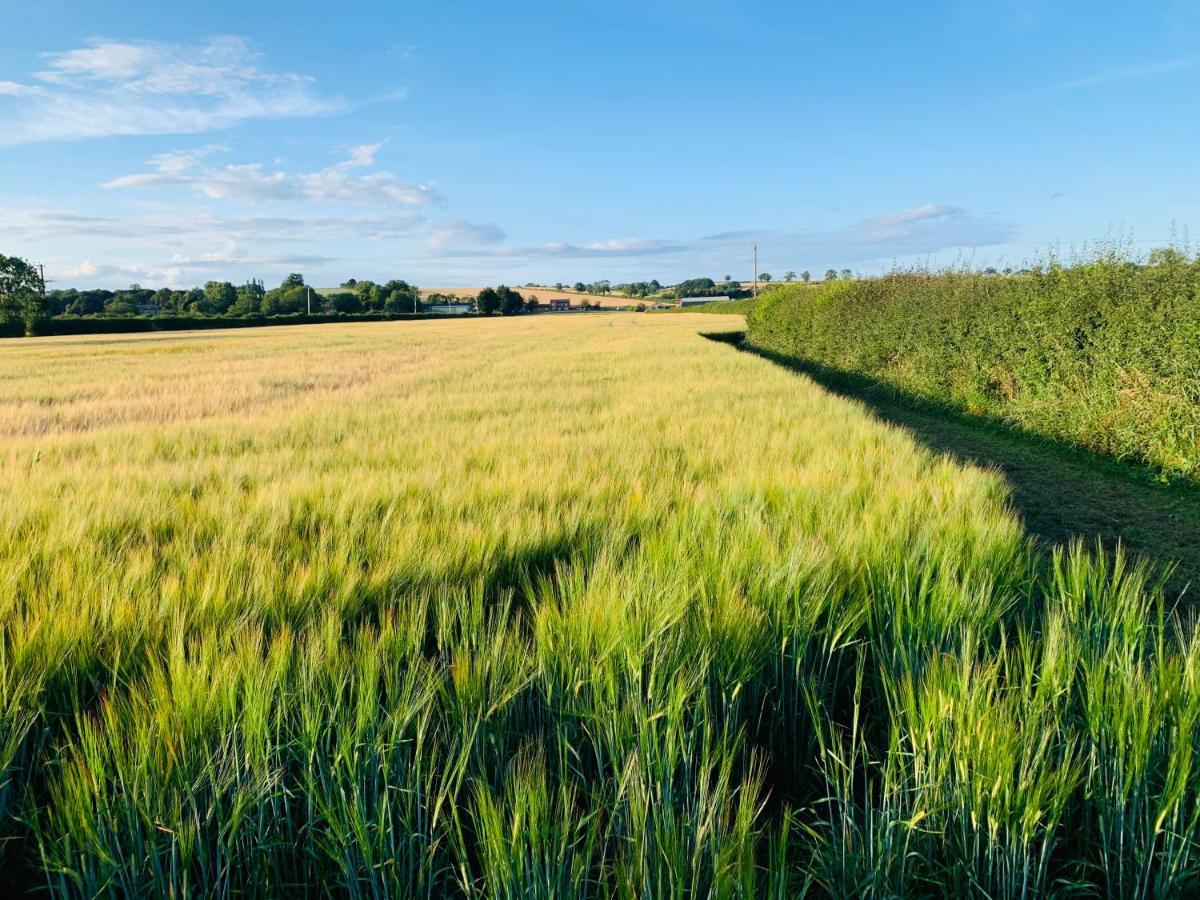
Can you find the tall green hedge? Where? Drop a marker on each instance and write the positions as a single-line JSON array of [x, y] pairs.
[[1103, 354]]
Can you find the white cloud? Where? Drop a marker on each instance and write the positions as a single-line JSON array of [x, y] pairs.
[[255, 182], [16, 89], [449, 234], [901, 224], [188, 227], [125, 88]]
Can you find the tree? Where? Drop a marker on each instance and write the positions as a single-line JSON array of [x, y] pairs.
[[580, 287], [511, 302], [345, 302], [789, 276], [399, 296], [218, 297], [831, 274], [532, 304], [249, 299], [121, 305], [22, 293], [805, 276], [728, 278], [289, 298], [369, 294], [695, 287], [488, 302], [847, 274], [765, 276], [558, 285]]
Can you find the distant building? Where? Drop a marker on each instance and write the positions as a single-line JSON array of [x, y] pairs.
[[700, 301], [147, 309], [449, 309], [560, 304]]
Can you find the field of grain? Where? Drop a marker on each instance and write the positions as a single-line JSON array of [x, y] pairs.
[[551, 606]]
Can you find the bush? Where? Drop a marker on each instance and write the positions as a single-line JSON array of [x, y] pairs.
[[1102, 354], [134, 324]]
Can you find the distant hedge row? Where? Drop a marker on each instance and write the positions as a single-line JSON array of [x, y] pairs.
[[131, 324], [1104, 354], [720, 307]]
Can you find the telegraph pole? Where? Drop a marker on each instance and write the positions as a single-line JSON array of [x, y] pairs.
[[309, 288], [756, 269]]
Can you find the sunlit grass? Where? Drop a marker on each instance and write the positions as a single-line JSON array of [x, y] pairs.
[[543, 607]]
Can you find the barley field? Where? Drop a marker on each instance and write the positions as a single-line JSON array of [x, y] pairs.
[[551, 606]]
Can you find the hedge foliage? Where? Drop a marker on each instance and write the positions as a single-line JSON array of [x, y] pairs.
[[1103, 354], [66, 325]]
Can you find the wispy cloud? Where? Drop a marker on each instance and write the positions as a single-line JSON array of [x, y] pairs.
[[183, 247], [338, 183], [923, 230], [1130, 73], [16, 89], [451, 234], [185, 228], [126, 88]]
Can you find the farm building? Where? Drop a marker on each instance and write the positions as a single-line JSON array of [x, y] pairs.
[[560, 304], [699, 301], [448, 309]]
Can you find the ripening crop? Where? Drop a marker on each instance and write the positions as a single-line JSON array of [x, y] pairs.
[[551, 606]]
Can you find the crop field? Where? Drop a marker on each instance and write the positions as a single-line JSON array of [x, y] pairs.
[[552, 606]]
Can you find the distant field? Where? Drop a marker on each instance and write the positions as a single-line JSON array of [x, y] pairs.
[[551, 606], [543, 294]]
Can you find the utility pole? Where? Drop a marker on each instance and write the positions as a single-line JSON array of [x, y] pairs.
[[42, 280], [309, 299], [756, 270]]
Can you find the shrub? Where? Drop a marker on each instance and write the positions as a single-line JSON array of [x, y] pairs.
[[1102, 354]]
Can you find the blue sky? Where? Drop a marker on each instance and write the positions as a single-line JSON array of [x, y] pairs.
[[458, 143]]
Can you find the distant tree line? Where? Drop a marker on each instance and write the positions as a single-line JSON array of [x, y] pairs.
[[706, 287], [223, 298], [638, 288]]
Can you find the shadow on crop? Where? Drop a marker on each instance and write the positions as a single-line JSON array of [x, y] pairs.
[[1060, 491]]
